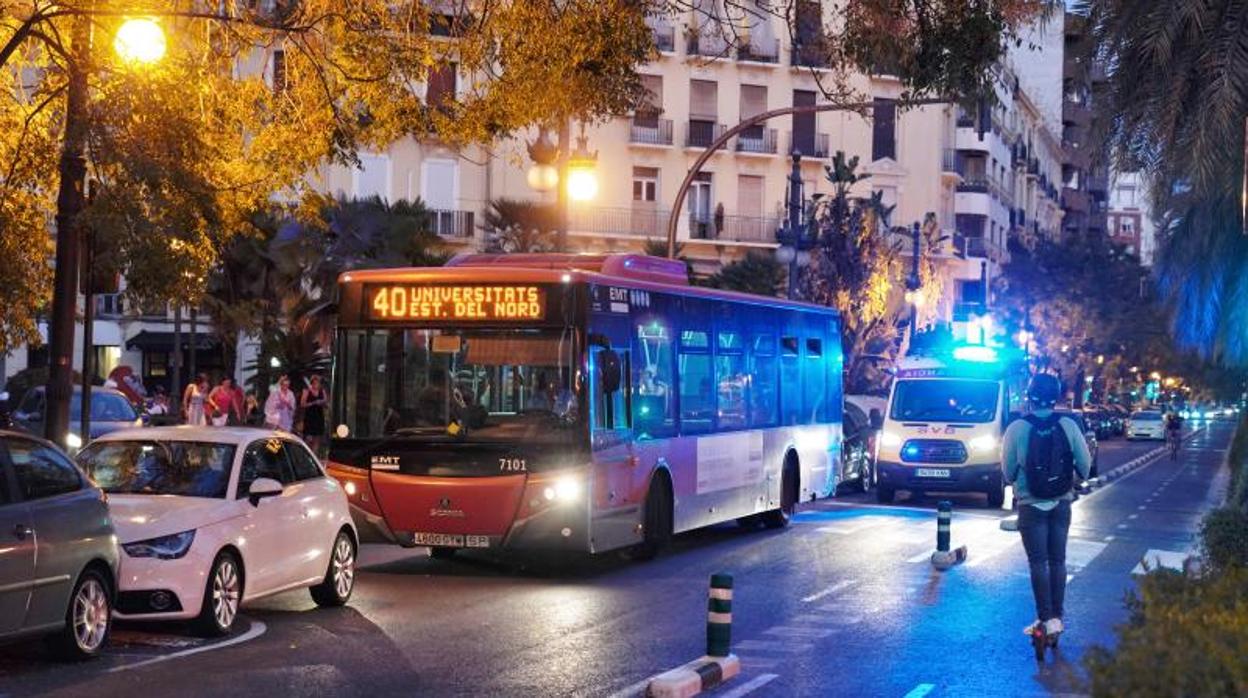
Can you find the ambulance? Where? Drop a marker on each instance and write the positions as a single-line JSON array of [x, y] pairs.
[[947, 413]]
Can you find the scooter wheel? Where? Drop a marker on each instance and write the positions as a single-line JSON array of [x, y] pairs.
[[1038, 643]]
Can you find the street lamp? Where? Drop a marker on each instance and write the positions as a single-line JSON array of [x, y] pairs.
[[543, 176], [794, 237], [140, 40], [582, 171]]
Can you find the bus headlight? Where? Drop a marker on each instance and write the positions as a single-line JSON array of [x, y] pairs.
[[983, 444], [890, 439], [565, 489]]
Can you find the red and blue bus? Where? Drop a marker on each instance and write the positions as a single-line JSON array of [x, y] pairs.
[[576, 402]]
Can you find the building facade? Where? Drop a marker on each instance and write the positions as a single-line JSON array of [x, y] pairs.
[[1085, 172], [1130, 217]]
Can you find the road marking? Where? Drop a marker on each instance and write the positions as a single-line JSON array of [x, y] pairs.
[[1081, 553], [256, 630], [1133, 517], [1069, 577], [840, 619], [1169, 559], [1141, 508], [844, 583], [793, 631], [773, 646], [904, 507], [750, 686], [920, 557], [1109, 539], [920, 690], [1122, 526], [762, 662]]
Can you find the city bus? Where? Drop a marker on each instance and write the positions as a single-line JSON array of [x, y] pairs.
[[576, 403]]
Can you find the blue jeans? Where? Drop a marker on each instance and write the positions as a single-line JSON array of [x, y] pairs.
[[1044, 538]]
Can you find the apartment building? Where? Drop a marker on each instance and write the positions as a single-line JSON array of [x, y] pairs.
[[1085, 172], [1130, 216]]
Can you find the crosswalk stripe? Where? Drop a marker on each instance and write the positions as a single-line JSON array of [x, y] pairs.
[[750, 686], [773, 646], [794, 631]]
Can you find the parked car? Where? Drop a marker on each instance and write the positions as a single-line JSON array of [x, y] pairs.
[[58, 551], [1121, 415], [860, 424], [110, 411], [210, 518], [1089, 437], [1146, 424]]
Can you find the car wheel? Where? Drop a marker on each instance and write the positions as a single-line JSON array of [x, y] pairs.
[[866, 477], [885, 495], [223, 594], [442, 553], [657, 524], [996, 494], [779, 518], [87, 619], [335, 589]]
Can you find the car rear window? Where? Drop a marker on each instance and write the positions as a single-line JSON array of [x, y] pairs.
[[1146, 416]]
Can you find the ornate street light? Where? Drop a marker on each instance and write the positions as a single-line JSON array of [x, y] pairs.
[[582, 171], [543, 176], [794, 236], [140, 40]]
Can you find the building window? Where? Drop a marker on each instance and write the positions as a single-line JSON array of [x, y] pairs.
[[884, 129], [441, 88], [372, 177], [279, 70], [645, 184]]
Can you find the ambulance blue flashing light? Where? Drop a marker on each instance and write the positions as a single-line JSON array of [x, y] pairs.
[[976, 353]]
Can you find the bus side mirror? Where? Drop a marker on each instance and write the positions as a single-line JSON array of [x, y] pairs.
[[609, 372], [876, 419]]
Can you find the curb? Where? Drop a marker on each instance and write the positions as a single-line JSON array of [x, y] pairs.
[[695, 677]]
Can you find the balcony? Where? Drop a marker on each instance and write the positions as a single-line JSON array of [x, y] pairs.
[[977, 248], [963, 311], [451, 224], [759, 50], [702, 133], [949, 162], [757, 229], [1077, 114], [808, 56], [644, 130], [974, 185], [618, 221], [810, 145], [709, 45], [109, 306], [757, 140], [664, 37]]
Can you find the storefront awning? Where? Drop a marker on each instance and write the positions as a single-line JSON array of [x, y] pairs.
[[149, 341]]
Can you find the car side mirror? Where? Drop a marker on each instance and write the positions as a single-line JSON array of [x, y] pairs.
[[263, 488], [876, 418]]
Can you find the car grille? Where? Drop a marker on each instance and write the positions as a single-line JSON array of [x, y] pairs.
[[933, 451]]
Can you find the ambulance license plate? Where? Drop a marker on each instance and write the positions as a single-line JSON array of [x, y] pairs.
[[932, 472]]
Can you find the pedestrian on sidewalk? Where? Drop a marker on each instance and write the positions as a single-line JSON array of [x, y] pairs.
[[1040, 455], [279, 408]]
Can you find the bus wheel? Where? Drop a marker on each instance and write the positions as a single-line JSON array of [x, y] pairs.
[[779, 518], [442, 553], [885, 495], [657, 525]]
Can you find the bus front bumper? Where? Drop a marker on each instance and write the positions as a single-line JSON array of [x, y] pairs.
[[919, 477]]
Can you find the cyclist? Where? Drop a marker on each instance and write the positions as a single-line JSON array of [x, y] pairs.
[[1174, 431], [1041, 454]]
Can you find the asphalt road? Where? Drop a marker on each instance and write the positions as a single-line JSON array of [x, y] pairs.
[[844, 602]]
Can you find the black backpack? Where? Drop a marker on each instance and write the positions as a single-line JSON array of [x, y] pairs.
[[1050, 465]]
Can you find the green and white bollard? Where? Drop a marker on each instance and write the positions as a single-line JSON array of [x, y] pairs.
[[944, 558], [719, 616]]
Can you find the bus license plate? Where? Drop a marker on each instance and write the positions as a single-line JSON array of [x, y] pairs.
[[932, 472], [450, 540]]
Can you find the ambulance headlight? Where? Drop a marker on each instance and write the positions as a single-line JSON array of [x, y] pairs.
[[983, 444], [890, 439]]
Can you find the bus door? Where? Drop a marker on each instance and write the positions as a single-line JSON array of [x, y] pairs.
[[611, 435]]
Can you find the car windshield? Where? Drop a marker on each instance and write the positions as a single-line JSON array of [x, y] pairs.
[[1146, 416], [973, 401], [184, 468], [476, 384], [105, 407]]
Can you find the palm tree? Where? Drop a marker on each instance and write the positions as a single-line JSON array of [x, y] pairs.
[[518, 226], [1175, 104]]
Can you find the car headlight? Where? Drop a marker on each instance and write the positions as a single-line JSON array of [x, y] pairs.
[[73, 441], [983, 444], [169, 547], [890, 439], [565, 489]]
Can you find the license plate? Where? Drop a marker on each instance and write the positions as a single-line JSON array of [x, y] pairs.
[[450, 540], [932, 472]]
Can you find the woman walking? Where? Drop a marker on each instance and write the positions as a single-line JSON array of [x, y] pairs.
[[193, 401], [313, 401], [279, 408]]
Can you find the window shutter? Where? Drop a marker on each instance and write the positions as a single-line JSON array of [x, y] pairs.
[[703, 99], [753, 100]]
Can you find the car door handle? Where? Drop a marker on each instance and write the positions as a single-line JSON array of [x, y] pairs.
[[22, 530]]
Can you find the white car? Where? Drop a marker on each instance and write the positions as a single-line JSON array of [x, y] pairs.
[[209, 518], [1146, 424]]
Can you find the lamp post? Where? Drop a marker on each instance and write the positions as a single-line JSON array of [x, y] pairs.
[[572, 175], [138, 41], [794, 238], [913, 282]]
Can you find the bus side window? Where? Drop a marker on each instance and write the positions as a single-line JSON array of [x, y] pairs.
[[731, 380], [790, 382], [814, 382], [764, 381], [610, 408], [654, 397], [697, 383]]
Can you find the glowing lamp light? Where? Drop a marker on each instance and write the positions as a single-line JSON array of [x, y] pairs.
[[140, 40], [976, 353], [582, 182], [915, 298], [543, 178]]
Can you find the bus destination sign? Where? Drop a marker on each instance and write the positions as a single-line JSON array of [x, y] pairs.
[[456, 302]]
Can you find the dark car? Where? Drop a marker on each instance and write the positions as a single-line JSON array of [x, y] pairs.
[[858, 433], [58, 551], [1089, 437], [110, 411]]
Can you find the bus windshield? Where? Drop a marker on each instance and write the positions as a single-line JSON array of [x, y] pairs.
[[470, 384], [973, 401]]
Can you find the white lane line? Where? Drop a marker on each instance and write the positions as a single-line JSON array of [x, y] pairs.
[[256, 630], [843, 584], [773, 646], [1069, 577], [1141, 508], [902, 507], [1109, 539], [1133, 517], [841, 619], [750, 686], [1154, 559], [920, 690], [1122, 526], [920, 557], [793, 631], [761, 662]]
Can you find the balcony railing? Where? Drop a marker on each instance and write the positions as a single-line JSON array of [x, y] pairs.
[[733, 228], [810, 145], [809, 56], [949, 161], [602, 220], [452, 224], [664, 37], [702, 133], [759, 140], [709, 45], [759, 51], [650, 131], [973, 185]]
